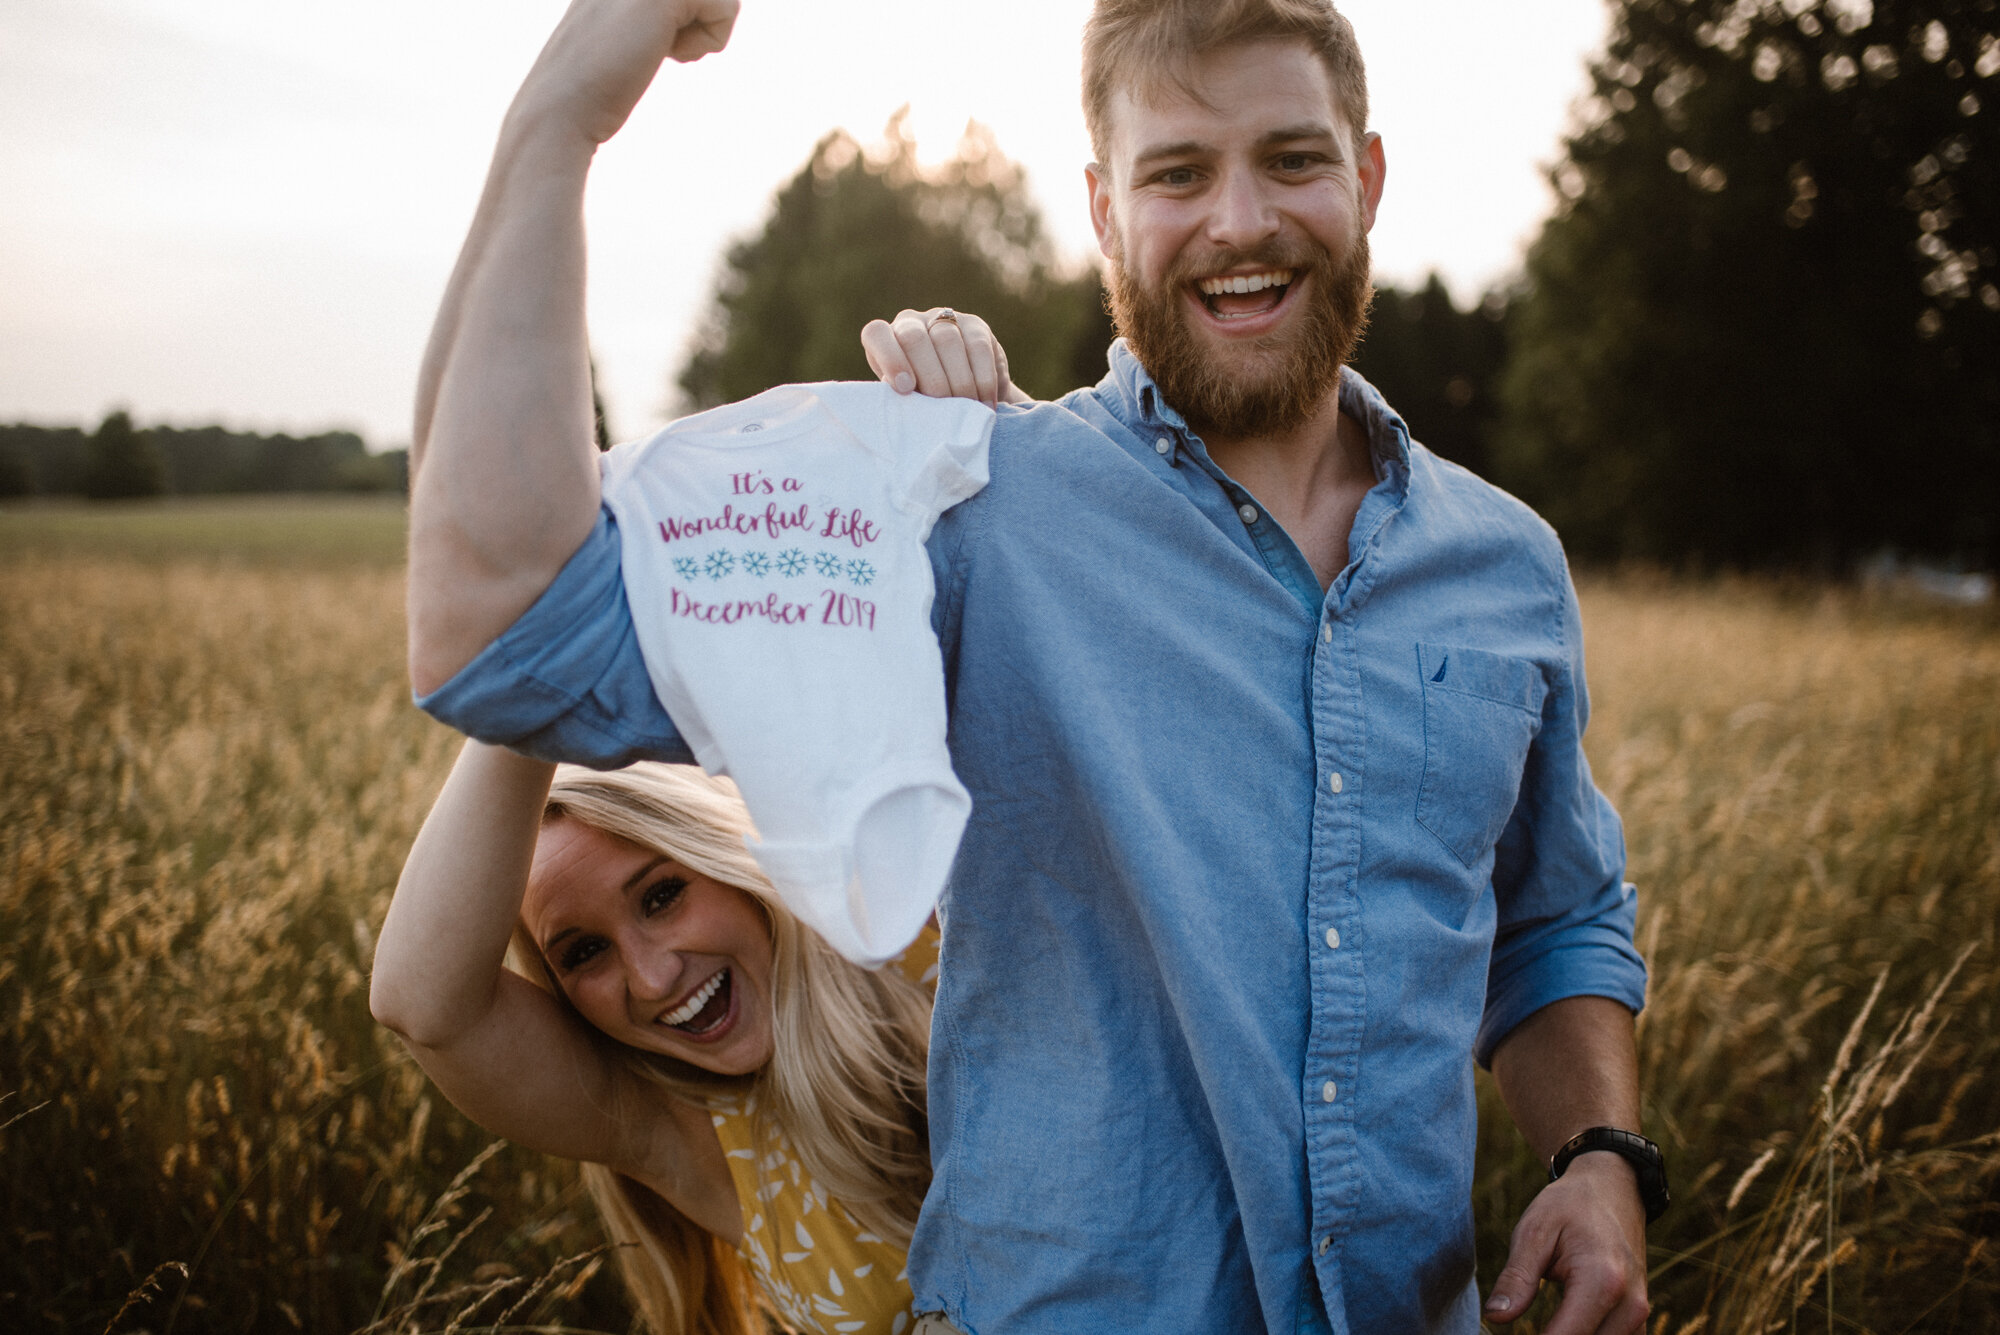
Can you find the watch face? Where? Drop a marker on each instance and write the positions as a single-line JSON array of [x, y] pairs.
[[1644, 1156]]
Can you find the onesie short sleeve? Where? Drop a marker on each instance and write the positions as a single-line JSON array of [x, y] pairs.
[[936, 448], [775, 568]]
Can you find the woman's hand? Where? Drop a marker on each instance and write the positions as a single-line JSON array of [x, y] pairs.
[[942, 353]]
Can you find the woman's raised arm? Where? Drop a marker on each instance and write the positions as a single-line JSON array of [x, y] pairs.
[[438, 962], [504, 1051]]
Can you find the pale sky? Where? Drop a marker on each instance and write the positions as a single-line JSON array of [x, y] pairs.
[[244, 210]]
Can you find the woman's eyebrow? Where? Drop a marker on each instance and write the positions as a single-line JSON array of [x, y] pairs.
[[633, 880], [631, 883]]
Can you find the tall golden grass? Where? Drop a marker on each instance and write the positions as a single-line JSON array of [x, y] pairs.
[[1810, 783], [209, 772]]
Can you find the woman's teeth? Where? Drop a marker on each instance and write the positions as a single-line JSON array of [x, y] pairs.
[[1255, 282], [690, 1008]]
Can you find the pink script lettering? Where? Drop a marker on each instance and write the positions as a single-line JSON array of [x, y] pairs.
[[773, 522], [850, 525], [771, 608]]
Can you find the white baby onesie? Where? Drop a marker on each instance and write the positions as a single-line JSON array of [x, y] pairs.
[[775, 566]]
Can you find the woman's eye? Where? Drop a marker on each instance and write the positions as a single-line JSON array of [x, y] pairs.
[[581, 952], [661, 894]]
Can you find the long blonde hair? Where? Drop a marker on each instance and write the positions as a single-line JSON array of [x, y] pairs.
[[845, 1081]]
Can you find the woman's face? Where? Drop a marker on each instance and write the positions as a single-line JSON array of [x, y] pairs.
[[658, 957]]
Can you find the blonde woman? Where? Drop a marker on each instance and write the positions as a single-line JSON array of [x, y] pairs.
[[590, 964]]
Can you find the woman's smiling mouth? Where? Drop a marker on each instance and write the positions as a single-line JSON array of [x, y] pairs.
[[704, 1010]]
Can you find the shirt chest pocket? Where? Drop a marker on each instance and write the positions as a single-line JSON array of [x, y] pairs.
[[1481, 713]]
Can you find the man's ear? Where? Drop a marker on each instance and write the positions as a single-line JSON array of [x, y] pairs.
[[1374, 170], [1097, 179]]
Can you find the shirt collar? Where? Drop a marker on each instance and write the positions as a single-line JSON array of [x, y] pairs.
[[1135, 399]]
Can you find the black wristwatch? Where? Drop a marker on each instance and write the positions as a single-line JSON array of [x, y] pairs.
[[1641, 1153]]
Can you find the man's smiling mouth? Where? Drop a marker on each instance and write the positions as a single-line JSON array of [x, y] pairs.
[[1239, 296], [705, 1009]]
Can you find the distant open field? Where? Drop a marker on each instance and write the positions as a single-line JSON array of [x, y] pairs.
[[209, 772], [241, 530]]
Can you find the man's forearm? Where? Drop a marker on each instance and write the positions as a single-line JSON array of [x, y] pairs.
[[505, 484], [1568, 1067]]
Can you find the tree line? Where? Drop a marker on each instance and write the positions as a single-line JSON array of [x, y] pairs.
[[1761, 327], [119, 460]]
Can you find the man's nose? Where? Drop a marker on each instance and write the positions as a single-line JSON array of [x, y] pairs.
[[1244, 215]]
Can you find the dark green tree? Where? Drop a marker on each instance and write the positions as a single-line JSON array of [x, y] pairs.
[[53, 457], [16, 478], [1439, 367], [859, 234], [121, 462], [1763, 326]]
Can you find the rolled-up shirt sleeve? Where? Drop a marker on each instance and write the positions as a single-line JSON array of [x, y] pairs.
[[1566, 912], [567, 681]]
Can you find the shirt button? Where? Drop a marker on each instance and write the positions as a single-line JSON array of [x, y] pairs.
[[1324, 1243], [1247, 513], [1327, 1092], [1333, 781], [1333, 938], [1327, 634], [1163, 445]]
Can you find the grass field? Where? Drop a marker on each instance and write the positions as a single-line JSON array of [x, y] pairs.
[[209, 772]]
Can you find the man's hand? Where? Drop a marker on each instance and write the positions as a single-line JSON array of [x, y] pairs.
[[943, 353], [1587, 1231], [603, 55]]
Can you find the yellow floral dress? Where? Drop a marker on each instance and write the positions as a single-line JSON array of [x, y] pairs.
[[821, 1272]]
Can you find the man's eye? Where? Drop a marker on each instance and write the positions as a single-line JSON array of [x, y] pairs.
[[1177, 176], [581, 952], [1294, 162], [660, 894]]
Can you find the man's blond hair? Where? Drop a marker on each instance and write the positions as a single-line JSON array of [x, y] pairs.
[[1147, 45]]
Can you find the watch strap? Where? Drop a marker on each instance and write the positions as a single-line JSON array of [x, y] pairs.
[[1644, 1156]]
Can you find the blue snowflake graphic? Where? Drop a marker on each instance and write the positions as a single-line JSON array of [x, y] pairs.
[[687, 567], [720, 563], [791, 562], [827, 564], [756, 563], [860, 571]]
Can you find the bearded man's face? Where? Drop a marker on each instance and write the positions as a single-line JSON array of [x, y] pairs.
[[1234, 216], [1278, 379]]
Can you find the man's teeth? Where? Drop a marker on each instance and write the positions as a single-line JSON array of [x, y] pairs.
[[1251, 282], [690, 1008]]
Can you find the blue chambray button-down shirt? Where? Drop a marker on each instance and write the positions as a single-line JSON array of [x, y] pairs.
[[1253, 873]]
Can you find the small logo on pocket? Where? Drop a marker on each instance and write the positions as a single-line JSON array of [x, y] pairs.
[[1441, 667]]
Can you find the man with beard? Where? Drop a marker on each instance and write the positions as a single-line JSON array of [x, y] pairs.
[[1272, 722]]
